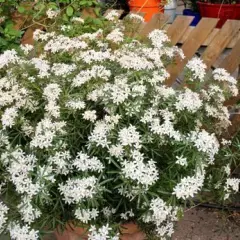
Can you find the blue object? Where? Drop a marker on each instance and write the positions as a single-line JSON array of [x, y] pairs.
[[196, 15]]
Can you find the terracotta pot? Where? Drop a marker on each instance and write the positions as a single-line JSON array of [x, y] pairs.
[[149, 7], [130, 231], [221, 11]]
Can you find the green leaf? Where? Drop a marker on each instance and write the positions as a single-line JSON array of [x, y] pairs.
[[69, 11], [21, 9]]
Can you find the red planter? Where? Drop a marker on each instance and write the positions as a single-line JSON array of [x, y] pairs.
[[149, 7], [221, 11]]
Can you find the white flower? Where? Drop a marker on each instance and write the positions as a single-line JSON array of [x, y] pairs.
[[19, 165], [90, 115], [129, 136], [9, 116], [61, 162], [3, 218], [115, 36], [197, 68], [62, 69], [42, 66], [127, 215], [65, 28], [221, 75], [232, 184], [45, 132], [8, 57], [188, 100], [162, 216], [52, 91], [112, 15], [103, 233], [189, 186], [83, 163], [136, 17], [26, 48], [158, 38], [137, 170], [94, 73], [205, 142], [116, 150], [227, 169], [85, 215], [52, 13], [99, 134], [108, 212], [64, 44], [18, 232], [76, 104], [181, 161], [77, 190], [77, 19], [28, 212]]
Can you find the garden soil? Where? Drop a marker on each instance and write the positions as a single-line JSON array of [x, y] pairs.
[[208, 224]]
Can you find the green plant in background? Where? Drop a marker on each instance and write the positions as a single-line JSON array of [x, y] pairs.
[[9, 35], [17, 16]]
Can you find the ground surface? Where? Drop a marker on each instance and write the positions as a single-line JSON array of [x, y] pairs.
[[208, 224]]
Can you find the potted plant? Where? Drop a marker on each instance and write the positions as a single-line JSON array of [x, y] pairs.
[[191, 9], [92, 138], [149, 7], [227, 9]]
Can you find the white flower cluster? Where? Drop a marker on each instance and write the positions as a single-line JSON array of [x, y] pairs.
[[112, 15], [52, 13], [45, 132], [162, 216], [205, 142], [19, 165], [8, 57], [115, 36], [28, 213], [18, 232], [76, 190], [85, 215], [197, 68], [83, 163], [102, 233], [3, 218], [188, 100], [189, 186], [136, 17]]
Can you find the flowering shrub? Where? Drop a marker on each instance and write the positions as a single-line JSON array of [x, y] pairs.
[[91, 134]]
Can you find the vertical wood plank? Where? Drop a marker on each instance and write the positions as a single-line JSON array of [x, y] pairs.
[[178, 28], [191, 45], [220, 42]]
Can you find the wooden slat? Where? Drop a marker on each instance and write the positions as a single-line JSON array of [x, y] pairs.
[[231, 62], [178, 28], [220, 42], [191, 45], [211, 36], [157, 22]]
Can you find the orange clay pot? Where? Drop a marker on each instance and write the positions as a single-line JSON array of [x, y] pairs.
[[149, 7], [130, 231]]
